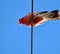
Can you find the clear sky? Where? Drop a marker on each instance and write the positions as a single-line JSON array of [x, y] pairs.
[[15, 38]]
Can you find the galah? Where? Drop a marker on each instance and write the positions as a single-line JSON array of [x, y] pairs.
[[39, 18]]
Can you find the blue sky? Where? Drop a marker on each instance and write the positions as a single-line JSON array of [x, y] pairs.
[[15, 38]]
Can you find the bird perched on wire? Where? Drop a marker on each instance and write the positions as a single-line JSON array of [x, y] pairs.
[[39, 17]]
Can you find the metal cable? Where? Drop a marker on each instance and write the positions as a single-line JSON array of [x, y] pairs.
[[32, 3]]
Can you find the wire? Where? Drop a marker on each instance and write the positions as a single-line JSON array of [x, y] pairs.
[[32, 3], [31, 39]]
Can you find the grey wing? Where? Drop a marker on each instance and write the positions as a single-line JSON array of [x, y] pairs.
[[41, 12]]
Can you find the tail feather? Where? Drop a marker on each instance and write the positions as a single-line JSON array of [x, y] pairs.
[[54, 15], [55, 11]]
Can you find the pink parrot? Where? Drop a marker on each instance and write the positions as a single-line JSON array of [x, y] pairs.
[[39, 17]]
